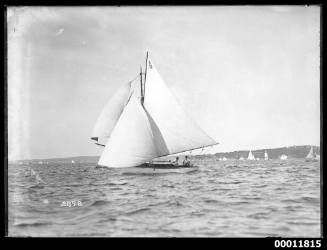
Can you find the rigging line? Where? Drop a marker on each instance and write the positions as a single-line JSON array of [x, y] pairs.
[[188, 150], [138, 75], [131, 89]]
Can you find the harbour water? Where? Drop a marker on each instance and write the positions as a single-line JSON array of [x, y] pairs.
[[222, 199]]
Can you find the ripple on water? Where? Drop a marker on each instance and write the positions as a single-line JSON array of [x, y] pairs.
[[219, 199], [136, 211]]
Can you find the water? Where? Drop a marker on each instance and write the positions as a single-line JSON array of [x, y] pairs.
[[222, 199]]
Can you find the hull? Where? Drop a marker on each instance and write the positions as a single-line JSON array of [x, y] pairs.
[[157, 169], [137, 170], [311, 160]]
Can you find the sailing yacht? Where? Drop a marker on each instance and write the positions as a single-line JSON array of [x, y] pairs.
[[266, 155], [251, 156], [142, 122], [283, 157], [311, 157]]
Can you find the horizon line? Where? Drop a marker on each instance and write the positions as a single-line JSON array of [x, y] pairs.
[[253, 150]]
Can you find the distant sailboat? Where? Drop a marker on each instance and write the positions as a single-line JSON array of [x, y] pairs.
[[143, 121], [37, 176], [283, 157], [266, 155], [224, 159], [311, 157], [33, 173], [251, 156]]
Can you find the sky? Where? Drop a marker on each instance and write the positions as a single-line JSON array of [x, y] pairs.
[[248, 75]]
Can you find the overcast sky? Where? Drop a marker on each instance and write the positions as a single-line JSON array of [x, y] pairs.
[[249, 76]]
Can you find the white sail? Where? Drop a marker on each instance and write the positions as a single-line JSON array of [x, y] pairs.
[[310, 154], [266, 155], [178, 131], [251, 156], [132, 141], [110, 114], [283, 157], [137, 133]]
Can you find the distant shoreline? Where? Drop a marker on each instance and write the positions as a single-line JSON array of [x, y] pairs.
[[274, 153]]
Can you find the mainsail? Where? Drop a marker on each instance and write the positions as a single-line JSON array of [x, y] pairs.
[[251, 156], [180, 133], [138, 131]]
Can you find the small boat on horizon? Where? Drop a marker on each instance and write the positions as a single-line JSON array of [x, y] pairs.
[[311, 156], [251, 156], [283, 157], [266, 155]]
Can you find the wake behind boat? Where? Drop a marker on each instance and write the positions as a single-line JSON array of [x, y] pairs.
[[143, 121]]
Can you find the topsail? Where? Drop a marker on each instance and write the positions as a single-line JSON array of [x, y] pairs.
[[138, 131]]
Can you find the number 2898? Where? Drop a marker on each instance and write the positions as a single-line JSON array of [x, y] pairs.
[[71, 203]]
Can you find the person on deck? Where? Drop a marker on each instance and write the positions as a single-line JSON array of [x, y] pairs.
[[186, 161], [176, 161]]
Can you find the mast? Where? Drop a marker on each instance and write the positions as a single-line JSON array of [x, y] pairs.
[[146, 69], [142, 91]]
